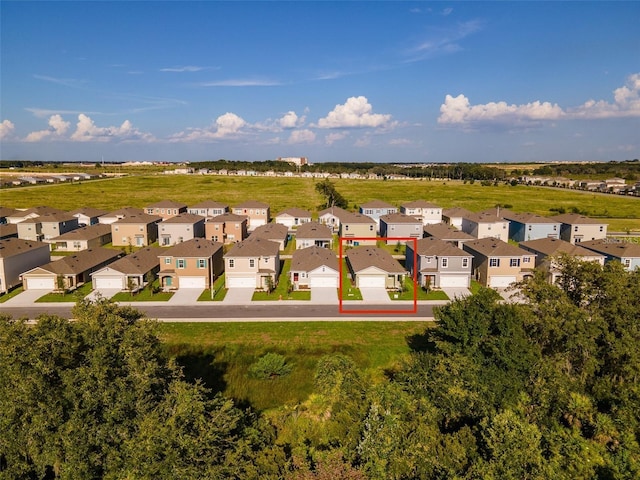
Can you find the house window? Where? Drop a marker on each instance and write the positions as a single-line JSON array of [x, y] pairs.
[[252, 263], [428, 259], [575, 229], [530, 227], [393, 227], [555, 228], [167, 260], [465, 262], [231, 263], [601, 228], [346, 227], [181, 263], [627, 262], [76, 245], [371, 228], [494, 262], [526, 259], [445, 262], [115, 228], [514, 262], [202, 263]]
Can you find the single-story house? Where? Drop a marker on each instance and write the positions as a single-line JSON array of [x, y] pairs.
[[16, 257], [292, 217], [374, 267], [83, 238], [129, 273], [195, 263], [313, 234], [253, 263], [69, 272], [180, 228], [331, 217], [314, 267], [439, 263], [399, 225]]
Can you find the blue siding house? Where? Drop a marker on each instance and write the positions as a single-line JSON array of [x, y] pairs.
[[524, 227], [375, 209], [626, 253]]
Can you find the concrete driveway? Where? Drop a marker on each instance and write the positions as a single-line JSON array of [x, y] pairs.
[[185, 296], [26, 298], [324, 295], [238, 296], [104, 293], [456, 292], [375, 295]]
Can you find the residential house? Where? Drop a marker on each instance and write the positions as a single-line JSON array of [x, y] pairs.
[[195, 263], [439, 264], [627, 253], [399, 225], [313, 234], [165, 209], [548, 249], [272, 231], [87, 215], [292, 217], [314, 266], [254, 263], [427, 212], [209, 208], [8, 230], [375, 209], [486, 225], [20, 215], [112, 217], [448, 233], [577, 228], [83, 238], [331, 217], [69, 273], [180, 228], [226, 228], [4, 213], [528, 226], [498, 264], [257, 213], [135, 230], [371, 267], [16, 257], [453, 216], [358, 229], [46, 226], [129, 273]]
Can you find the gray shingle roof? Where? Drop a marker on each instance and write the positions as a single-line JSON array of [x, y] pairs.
[[194, 248], [271, 231], [554, 246], [432, 246], [295, 212], [15, 246], [391, 218], [254, 248], [307, 259], [141, 218], [139, 262], [576, 219], [85, 233], [444, 231], [314, 230], [613, 248], [361, 258], [81, 261], [493, 247], [184, 218]]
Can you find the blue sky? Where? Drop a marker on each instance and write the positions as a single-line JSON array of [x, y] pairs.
[[377, 81]]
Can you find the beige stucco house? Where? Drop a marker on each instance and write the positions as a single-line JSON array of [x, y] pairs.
[[313, 267], [371, 267], [313, 234], [83, 238], [226, 228], [180, 228], [165, 209], [135, 230], [497, 263], [195, 263], [130, 272], [576, 228], [357, 229], [293, 217], [209, 208], [254, 263], [257, 213], [486, 225]]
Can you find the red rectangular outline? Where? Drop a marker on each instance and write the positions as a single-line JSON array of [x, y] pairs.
[[414, 310]]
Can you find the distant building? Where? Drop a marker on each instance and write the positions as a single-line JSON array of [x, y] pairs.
[[297, 161]]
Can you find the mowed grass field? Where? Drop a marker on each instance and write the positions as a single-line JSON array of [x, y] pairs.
[[221, 353], [622, 213]]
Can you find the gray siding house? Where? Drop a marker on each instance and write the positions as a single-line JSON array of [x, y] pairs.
[[439, 263], [401, 226], [528, 226]]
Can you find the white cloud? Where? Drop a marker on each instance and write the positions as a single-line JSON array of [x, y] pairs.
[[446, 12], [58, 127], [355, 113], [334, 137], [228, 125], [289, 120], [43, 112], [400, 142], [87, 131], [444, 41], [459, 111], [185, 68], [302, 136], [6, 129]]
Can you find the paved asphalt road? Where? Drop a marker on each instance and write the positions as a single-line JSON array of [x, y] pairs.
[[240, 313]]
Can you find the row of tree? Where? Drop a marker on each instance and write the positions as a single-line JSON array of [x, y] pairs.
[[547, 388]]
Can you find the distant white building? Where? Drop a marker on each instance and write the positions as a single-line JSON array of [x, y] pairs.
[[298, 161]]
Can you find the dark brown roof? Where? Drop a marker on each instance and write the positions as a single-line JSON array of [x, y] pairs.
[[6, 212], [81, 261], [141, 218], [139, 262], [189, 218], [15, 246], [361, 258], [307, 259], [493, 247], [255, 247], [8, 230], [444, 231], [399, 218], [314, 230], [252, 204], [271, 231], [227, 217], [432, 246], [613, 248], [554, 246], [194, 248], [85, 233], [576, 219]]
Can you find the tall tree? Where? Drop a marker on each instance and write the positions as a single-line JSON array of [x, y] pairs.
[[332, 197]]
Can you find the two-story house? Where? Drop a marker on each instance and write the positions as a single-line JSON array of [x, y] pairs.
[[275, 232], [453, 216], [195, 263], [20, 215], [358, 229], [135, 230], [528, 226], [209, 208], [226, 228], [46, 226], [577, 228], [331, 217], [448, 233], [427, 212], [87, 215], [257, 213], [439, 264], [165, 209], [254, 263], [498, 264], [313, 234], [399, 225], [627, 253], [180, 228], [486, 225], [375, 209], [313, 267]]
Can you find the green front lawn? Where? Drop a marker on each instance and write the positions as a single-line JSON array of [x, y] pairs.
[[349, 291], [73, 296], [11, 293], [407, 293], [219, 291], [280, 292], [144, 295], [475, 287]]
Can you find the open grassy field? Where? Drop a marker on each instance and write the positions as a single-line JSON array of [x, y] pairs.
[[623, 213], [221, 353]]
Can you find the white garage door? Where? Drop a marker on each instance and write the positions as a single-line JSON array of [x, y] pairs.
[[240, 282], [454, 281], [109, 283], [192, 282], [371, 281], [40, 283], [323, 281], [502, 281]]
